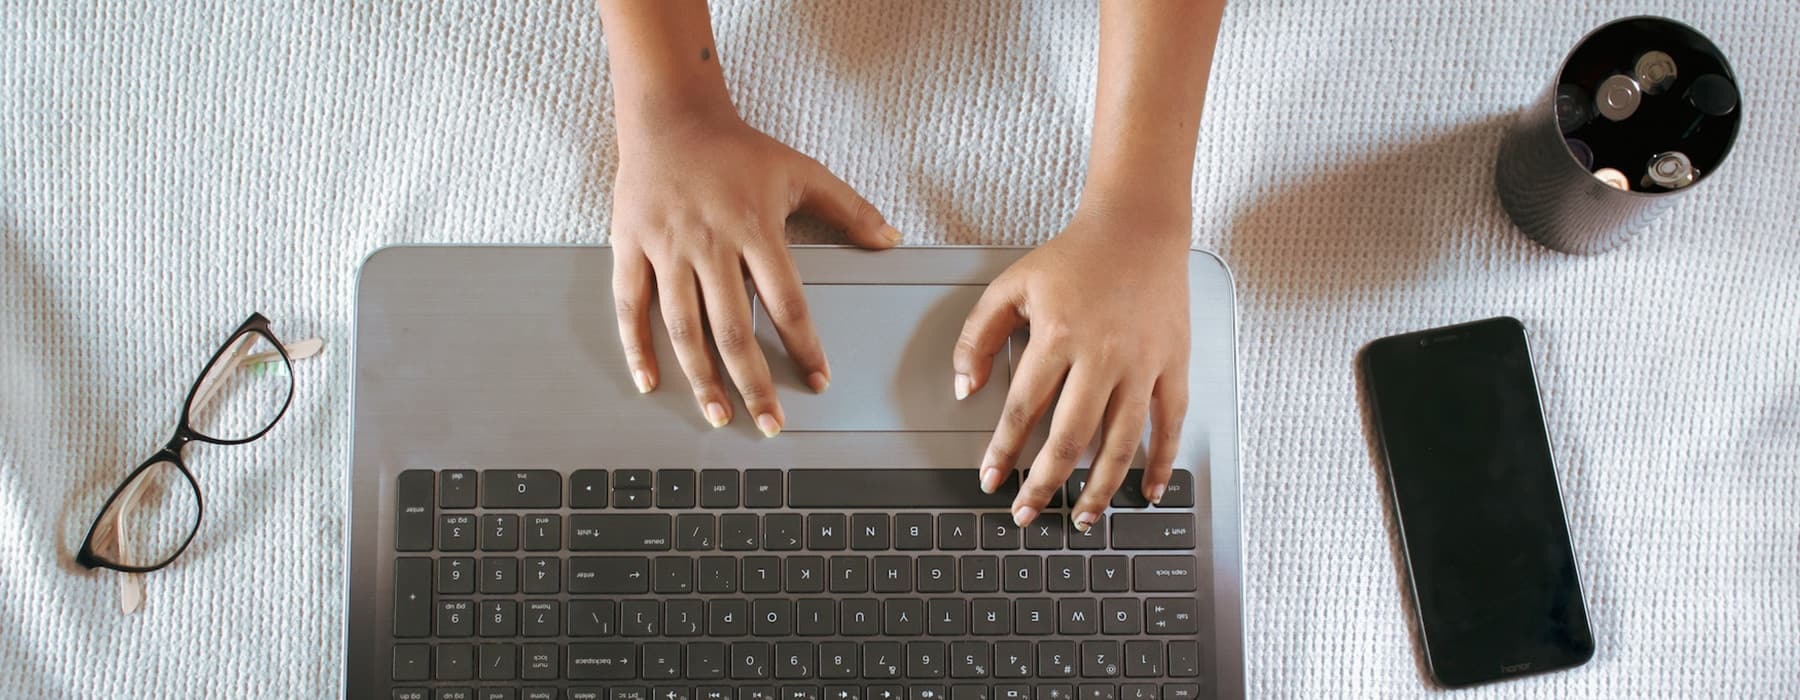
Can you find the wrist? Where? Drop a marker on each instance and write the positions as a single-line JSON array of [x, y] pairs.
[[647, 114], [1141, 214]]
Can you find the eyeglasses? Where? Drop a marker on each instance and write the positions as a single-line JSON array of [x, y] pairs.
[[153, 515]]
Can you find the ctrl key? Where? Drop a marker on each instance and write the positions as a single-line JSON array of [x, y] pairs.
[[412, 662]]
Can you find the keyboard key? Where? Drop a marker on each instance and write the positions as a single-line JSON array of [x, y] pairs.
[[592, 618], [1061, 691], [1163, 574], [613, 575], [620, 533], [946, 617], [455, 618], [859, 617], [1143, 659], [936, 574], [838, 660], [1077, 616], [912, 531], [893, 574], [1180, 491], [783, 532], [1101, 659], [719, 488], [893, 489], [1012, 692], [684, 617], [849, 574], [413, 511], [750, 661], [740, 532], [1139, 691], [499, 575], [970, 692], [675, 488], [916, 691], [499, 618], [543, 533], [999, 532], [794, 660], [1023, 574], [410, 694], [728, 618], [456, 533], [762, 488], [882, 660], [456, 575], [905, 617], [412, 662], [695, 532], [884, 692], [761, 575], [1171, 616], [1093, 539], [631, 499], [453, 662], [956, 531], [674, 575], [805, 575], [1014, 660], [990, 617], [1065, 574], [1097, 691], [542, 618], [706, 661], [521, 488], [542, 575], [1056, 659], [1181, 691], [815, 617], [800, 692], [980, 574], [587, 489], [538, 694], [659, 661], [1131, 491], [1153, 531], [602, 661], [1107, 574], [758, 692], [412, 597], [869, 531], [496, 662], [456, 488], [1044, 533], [1121, 616], [1034, 616], [537, 662], [925, 660], [631, 480], [969, 659], [639, 618], [826, 532], [718, 575], [453, 694]]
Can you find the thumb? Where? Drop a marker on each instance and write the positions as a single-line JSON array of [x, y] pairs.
[[824, 196], [984, 333]]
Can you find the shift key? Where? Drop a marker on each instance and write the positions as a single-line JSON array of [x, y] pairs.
[[634, 532], [1153, 531]]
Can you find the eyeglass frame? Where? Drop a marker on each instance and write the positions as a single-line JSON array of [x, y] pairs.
[[185, 433]]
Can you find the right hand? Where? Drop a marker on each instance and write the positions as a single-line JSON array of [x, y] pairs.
[[701, 202]]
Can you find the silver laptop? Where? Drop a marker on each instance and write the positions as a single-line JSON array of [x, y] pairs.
[[525, 526]]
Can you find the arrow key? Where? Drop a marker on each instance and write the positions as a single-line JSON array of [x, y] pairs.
[[675, 488]]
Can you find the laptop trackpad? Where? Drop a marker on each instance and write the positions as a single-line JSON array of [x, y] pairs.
[[889, 347]]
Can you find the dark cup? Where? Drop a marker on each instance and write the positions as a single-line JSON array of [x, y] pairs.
[[1659, 131]]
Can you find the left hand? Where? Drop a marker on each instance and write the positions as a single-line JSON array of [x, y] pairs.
[[1107, 304]]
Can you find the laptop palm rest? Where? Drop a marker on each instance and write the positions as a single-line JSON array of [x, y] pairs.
[[890, 352]]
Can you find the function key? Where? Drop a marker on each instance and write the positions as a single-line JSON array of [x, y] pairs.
[[456, 489], [718, 488], [631, 479], [1180, 491], [1131, 491], [521, 488], [762, 488], [587, 488], [675, 488]]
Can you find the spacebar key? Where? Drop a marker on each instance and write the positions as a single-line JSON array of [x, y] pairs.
[[894, 488], [619, 533]]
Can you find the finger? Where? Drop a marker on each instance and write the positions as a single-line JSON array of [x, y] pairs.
[[631, 300], [778, 286], [679, 294], [984, 333], [1168, 406], [828, 198], [1033, 387], [1072, 429], [728, 313], [1123, 431]]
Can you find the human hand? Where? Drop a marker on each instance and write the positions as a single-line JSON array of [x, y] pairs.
[[701, 205], [1108, 312]]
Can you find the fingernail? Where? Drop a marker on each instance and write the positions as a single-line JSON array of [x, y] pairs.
[[766, 423], [990, 479], [1085, 521], [818, 381], [1024, 515], [1156, 493], [643, 381], [962, 386], [715, 414], [892, 234]]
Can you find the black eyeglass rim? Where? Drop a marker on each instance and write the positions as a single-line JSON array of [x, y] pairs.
[[184, 434]]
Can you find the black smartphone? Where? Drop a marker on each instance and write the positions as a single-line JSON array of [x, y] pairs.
[[1468, 460]]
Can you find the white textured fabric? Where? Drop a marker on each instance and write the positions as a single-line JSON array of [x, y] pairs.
[[167, 167]]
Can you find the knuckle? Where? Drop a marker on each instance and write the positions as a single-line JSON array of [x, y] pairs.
[[756, 393], [733, 338], [683, 329], [1056, 332], [786, 307], [1067, 448], [1036, 491], [1017, 417]]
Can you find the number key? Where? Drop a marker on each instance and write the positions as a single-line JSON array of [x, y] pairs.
[[521, 488], [500, 533], [499, 575], [456, 575], [456, 533], [499, 618], [543, 533]]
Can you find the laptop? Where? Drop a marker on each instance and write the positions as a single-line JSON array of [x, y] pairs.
[[525, 526]]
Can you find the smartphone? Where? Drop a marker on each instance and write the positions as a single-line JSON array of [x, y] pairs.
[[1468, 459]]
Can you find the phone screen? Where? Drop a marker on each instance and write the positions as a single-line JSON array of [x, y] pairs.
[[1474, 485]]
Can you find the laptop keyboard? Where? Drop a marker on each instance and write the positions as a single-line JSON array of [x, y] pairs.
[[801, 584]]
